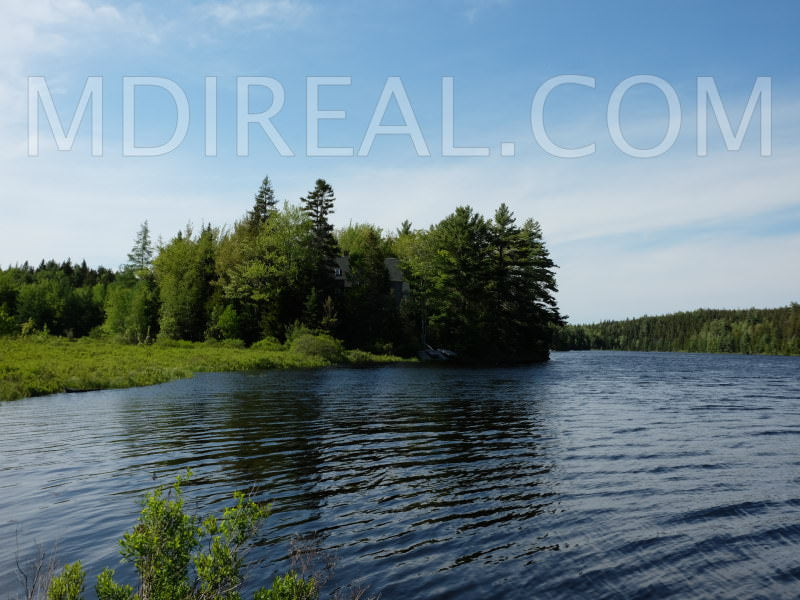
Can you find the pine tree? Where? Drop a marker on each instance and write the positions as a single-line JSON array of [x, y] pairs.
[[141, 255], [265, 203], [543, 270], [318, 204]]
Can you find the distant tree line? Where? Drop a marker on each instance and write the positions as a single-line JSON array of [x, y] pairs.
[[483, 288], [751, 331], [65, 299]]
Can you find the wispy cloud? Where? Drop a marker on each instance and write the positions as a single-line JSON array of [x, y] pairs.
[[585, 199], [33, 27], [32, 32], [257, 14], [475, 7]]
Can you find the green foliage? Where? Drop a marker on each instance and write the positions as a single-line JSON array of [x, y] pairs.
[[161, 546], [140, 257], [167, 542], [264, 273], [404, 229], [179, 556], [368, 314], [219, 568], [132, 307], [228, 323], [318, 206], [107, 589], [67, 585], [268, 343], [306, 342], [8, 325], [264, 205], [483, 288], [229, 343], [185, 271], [289, 587], [63, 299], [752, 331], [41, 364], [363, 239]]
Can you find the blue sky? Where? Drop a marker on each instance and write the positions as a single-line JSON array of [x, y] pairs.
[[632, 236]]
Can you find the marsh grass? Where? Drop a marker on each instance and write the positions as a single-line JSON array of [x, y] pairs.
[[38, 365]]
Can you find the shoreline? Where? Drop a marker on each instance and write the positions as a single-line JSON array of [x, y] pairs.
[[39, 366]]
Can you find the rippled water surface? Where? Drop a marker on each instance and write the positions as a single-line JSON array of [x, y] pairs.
[[597, 475]]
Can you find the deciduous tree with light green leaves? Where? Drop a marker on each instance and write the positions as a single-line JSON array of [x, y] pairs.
[[265, 275], [185, 273]]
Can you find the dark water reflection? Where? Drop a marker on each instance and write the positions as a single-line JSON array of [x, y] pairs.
[[597, 475]]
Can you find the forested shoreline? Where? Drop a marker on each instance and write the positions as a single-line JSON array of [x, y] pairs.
[[481, 287], [749, 331]]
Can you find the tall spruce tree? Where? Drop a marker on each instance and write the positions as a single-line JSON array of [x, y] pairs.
[[318, 205], [141, 255], [264, 205], [542, 274]]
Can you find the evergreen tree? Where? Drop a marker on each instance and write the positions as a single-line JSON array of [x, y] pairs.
[[542, 273], [318, 205], [482, 288], [141, 255], [265, 204], [455, 265]]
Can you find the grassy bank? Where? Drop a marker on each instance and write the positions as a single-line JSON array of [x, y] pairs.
[[38, 365]]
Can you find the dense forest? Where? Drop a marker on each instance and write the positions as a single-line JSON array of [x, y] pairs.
[[481, 287], [752, 331]]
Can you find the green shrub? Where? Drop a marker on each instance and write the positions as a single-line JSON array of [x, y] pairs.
[[68, 585], [228, 323], [232, 343], [383, 348], [268, 343], [321, 345], [8, 325], [167, 342], [359, 357], [178, 556], [97, 333], [289, 587], [225, 343], [295, 330]]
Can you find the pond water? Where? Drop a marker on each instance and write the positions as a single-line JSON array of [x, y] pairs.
[[596, 475]]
